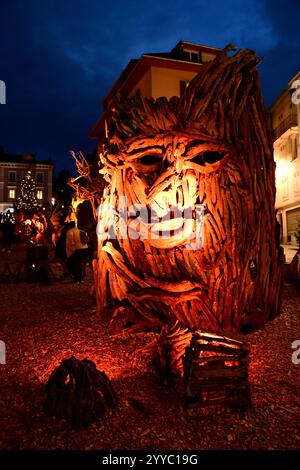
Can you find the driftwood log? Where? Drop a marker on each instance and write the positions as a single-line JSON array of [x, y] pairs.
[[86, 186], [171, 349]]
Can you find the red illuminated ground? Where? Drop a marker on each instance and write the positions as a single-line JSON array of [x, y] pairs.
[[42, 325]]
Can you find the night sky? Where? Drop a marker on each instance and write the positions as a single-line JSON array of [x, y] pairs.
[[60, 57]]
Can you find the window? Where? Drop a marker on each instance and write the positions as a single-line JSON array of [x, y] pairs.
[[195, 57], [40, 177], [283, 150], [39, 194], [185, 55], [191, 56], [297, 182], [11, 194], [295, 148], [12, 176]]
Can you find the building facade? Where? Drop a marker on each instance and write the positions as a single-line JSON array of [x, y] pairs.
[[12, 170], [155, 75], [285, 116]]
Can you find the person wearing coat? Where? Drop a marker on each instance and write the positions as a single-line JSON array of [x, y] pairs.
[[7, 234], [76, 252]]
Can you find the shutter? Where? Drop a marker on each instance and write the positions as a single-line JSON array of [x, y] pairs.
[[293, 220]]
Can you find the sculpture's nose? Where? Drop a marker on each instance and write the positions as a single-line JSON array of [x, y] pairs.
[[178, 164], [174, 156]]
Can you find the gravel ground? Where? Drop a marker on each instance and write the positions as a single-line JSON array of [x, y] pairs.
[[42, 325]]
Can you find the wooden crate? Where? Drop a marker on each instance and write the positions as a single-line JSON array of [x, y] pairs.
[[216, 371]]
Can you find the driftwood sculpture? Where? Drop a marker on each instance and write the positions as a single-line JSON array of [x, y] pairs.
[[186, 227], [87, 188], [78, 392]]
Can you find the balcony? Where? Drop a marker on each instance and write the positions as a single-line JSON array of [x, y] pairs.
[[287, 123]]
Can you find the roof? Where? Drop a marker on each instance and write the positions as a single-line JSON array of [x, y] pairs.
[[136, 68], [19, 158], [175, 53]]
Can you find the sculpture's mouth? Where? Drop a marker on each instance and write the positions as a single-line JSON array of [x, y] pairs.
[[168, 216], [171, 218]]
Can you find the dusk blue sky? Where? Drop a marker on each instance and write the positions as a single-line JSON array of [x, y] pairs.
[[60, 57]]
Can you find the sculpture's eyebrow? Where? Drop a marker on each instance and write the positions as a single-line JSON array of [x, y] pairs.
[[195, 148], [144, 142], [141, 152]]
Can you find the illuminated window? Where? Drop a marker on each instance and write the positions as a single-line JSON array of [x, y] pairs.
[[12, 194], [39, 195]]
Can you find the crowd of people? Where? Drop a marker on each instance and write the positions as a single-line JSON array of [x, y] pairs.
[[74, 248]]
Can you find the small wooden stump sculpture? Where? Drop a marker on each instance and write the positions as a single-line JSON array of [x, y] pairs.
[[216, 371], [171, 348], [78, 392]]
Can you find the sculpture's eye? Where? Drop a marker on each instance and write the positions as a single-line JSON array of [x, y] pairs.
[[148, 163], [208, 156], [149, 160]]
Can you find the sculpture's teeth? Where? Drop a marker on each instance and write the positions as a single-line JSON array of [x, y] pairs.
[[159, 207], [167, 225]]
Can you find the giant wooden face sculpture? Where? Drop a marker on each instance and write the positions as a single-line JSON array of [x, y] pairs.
[[212, 148]]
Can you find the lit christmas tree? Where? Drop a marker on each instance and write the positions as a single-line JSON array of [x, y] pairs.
[[27, 199]]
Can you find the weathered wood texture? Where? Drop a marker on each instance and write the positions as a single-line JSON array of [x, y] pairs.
[[78, 392], [216, 371], [87, 187], [211, 146]]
